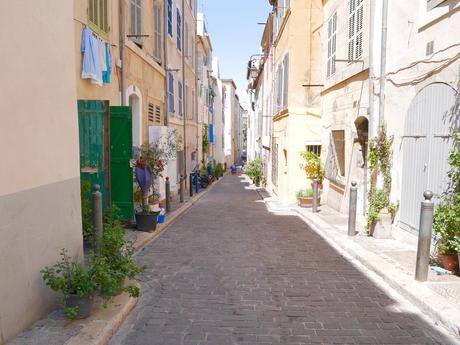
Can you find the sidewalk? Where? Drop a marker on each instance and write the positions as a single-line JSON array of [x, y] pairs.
[[392, 260], [56, 329]]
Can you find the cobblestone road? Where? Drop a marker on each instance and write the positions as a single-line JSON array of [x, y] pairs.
[[229, 272]]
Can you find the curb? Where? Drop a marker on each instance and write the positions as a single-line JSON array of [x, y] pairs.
[[100, 331], [416, 293], [145, 238]]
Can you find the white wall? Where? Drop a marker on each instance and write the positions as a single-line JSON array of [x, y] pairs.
[[39, 146]]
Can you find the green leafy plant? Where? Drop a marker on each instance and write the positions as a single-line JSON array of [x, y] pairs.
[[313, 166], [218, 170], [70, 278], [255, 170], [86, 212], [205, 140], [304, 193], [115, 262], [380, 163], [446, 220]]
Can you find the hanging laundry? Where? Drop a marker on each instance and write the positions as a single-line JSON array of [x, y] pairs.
[[106, 74], [91, 64], [103, 58]]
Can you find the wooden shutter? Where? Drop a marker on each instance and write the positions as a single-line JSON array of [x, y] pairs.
[[179, 95], [157, 31], [179, 30], [170, 18], [186, 100], [151, 113], [157, 114], [285, 81], [186, 40], [171, 92]]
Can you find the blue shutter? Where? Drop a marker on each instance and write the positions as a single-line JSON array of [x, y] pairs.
[[171, 92], [180, 97], [179, 30], [211, 134], [170, 18]]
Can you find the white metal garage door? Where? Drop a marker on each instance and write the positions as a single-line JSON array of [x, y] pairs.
[[426, 146]]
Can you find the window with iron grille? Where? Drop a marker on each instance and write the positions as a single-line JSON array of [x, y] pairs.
[[157, 29], [316, 149], [98, 17], [331, 44], [136, 20], [355, 29]]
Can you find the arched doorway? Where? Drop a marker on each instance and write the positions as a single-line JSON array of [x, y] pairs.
[[426, 145], [135, 102]]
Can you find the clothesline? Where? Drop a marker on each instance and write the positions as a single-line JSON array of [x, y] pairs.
[[84, 24]]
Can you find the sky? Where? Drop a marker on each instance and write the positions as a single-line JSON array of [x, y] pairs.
[[235, 35]]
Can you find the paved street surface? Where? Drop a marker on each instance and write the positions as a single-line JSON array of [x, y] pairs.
[[229, 272]]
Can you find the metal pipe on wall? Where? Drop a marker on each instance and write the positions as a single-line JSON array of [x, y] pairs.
[[383, 60], [122, 51], [183, 83], [165, 63]]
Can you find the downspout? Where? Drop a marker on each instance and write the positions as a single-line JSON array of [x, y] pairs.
[[183, 88], [371, 98], [165, 63], [383, 60], [122, 52]]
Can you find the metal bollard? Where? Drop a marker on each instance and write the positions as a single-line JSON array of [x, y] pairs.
[[167, 195], [424, 237], [191, 184], [352, 208], [315, 196], [181, 189], [97, 216], [197, 179]]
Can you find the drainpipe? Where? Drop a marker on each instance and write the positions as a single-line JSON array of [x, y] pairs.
[[165, 63], [371, 98], [383, 60], [122, 52], [183, 88]]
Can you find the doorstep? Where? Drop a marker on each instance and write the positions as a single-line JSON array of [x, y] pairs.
[[392, 260], [56, 329]]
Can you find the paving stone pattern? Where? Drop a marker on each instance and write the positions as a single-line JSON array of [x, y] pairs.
[[229, 272]]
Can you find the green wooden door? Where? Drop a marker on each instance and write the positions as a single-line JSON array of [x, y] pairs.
[[91, 133], [121, 174]]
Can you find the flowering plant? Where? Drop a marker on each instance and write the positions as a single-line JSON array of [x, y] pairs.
[[149, 165]]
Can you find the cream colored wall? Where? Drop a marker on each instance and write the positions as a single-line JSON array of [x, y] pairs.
[[301, 120], [345, 97], [174, 61], [85, 89], [39, 178], [400, 87]]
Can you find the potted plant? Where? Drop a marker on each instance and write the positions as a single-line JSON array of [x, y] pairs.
[[255, 171], [115, 263], [313, 167], [149, 166], [305, 197], [446, 224], [76, 282]]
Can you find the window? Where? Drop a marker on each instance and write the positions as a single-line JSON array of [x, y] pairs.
[[200, 66], [136, 20], [179, 94], [355, 29], [430, 4], [98, 17], [171, 92], [275, 163], [339, 144], [179, 30], [151, 113], [192, 112], [157, 30], [186, 100], [158, 114], [331, 44], [170, 18], [316, 149], [285, 81], [186, 52], [279, 87]]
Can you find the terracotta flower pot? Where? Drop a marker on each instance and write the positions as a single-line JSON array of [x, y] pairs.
[[307, 202], [449, 262]]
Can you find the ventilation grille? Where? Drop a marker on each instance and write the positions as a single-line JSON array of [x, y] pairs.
[[158, 114], [429, 48]]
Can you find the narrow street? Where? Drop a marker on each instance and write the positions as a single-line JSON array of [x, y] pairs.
[[229, 272]]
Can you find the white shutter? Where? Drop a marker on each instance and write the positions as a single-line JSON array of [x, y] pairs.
[[285, 81], [355, 29]]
